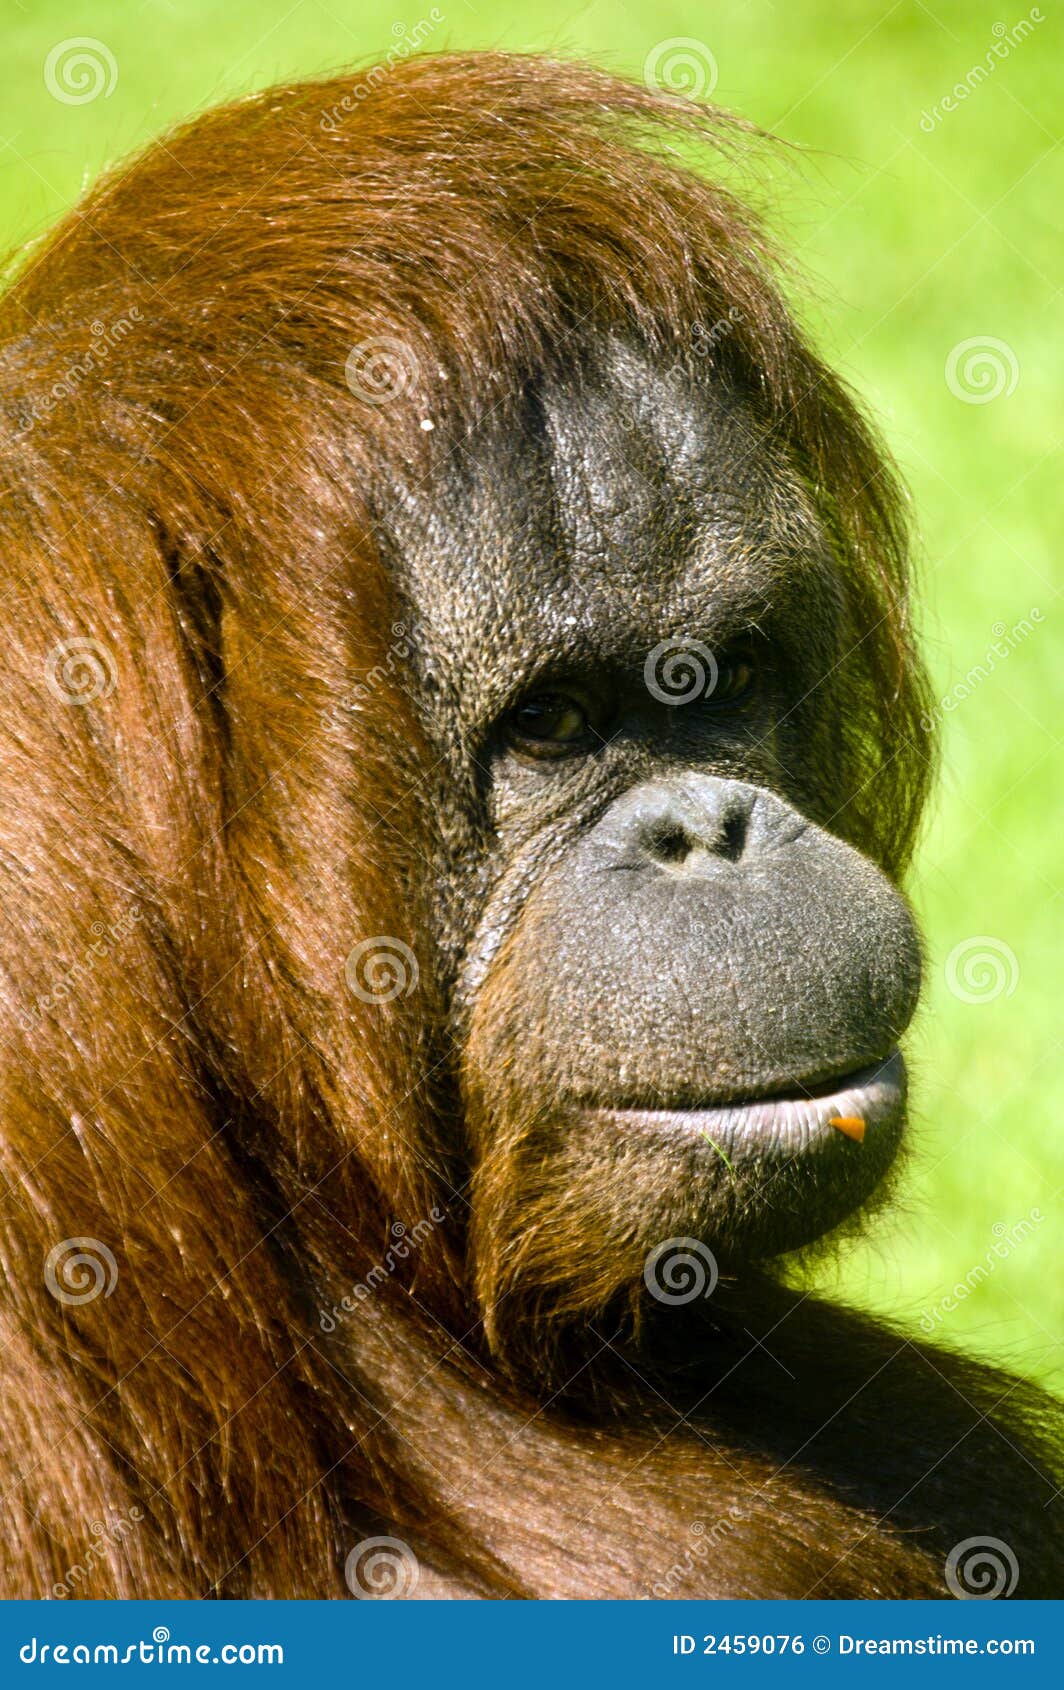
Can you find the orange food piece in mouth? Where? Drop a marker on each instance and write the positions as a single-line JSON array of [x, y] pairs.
[[851, 1125]]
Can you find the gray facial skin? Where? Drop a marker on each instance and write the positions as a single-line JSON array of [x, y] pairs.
[[664, 926]]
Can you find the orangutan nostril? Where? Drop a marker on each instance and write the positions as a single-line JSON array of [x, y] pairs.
[[732, 839], [668, 842]]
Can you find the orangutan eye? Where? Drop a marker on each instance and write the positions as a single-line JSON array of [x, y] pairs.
[[736, 677], [549, 724]]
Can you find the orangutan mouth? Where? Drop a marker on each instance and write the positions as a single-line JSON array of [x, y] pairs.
[[862, 1106]]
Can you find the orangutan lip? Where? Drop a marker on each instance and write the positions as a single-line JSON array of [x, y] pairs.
[[872, 1097]]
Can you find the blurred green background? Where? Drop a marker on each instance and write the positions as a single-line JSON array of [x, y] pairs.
[[931, 240]]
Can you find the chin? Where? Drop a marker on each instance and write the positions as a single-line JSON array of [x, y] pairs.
[[588, 1215], [763, 1176]]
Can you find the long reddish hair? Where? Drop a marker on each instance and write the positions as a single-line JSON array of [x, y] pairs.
[[213, 373]]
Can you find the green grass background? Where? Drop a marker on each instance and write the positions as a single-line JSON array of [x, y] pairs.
[[914, 241]]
